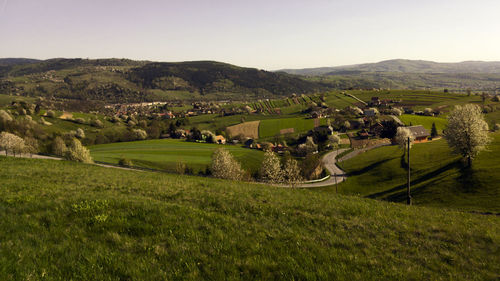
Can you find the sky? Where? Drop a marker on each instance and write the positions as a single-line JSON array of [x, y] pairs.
[[266, 34]]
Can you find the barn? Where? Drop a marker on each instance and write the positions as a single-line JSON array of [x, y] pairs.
[[420, 133]]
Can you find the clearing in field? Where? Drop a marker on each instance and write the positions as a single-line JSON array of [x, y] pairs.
[[247, 129], [66, 115], [165, 154]]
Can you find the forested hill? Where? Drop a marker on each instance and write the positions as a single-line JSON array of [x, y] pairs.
[[404, 66], [210, 76], [123, 80]]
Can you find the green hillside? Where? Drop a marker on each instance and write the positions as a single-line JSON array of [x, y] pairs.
[[166, 153], [438, 177], [68, 221], [425, 121]]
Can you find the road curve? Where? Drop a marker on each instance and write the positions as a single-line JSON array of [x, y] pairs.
[[336, 174]]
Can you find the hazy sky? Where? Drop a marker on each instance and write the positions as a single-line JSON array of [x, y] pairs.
[[270, 34]]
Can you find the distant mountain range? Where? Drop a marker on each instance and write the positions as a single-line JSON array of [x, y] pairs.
[[402, 66], [124, 80]]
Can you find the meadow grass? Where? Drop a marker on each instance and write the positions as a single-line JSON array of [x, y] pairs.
[[166, 153], [438, 177], [69, 221]]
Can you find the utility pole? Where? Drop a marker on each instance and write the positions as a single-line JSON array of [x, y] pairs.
[[336, 186], [408, 198]]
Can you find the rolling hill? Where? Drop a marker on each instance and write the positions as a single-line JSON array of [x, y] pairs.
[[403, 66], [408, 74]]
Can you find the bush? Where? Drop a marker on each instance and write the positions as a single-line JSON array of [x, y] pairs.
[[96, 123], [125, 162], [77, 152], [80, 121], [59, 147]]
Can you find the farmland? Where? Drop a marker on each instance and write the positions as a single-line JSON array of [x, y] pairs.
[[438, 177], [165, 154], [64, 220], [247, 129]]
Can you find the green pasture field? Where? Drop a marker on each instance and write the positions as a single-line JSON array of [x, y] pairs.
[[438, 177], [425, 121], [166, 153], [68, 221], [272, 127]]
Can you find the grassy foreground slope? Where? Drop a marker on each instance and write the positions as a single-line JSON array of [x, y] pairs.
[[438, 177], [70, 221]]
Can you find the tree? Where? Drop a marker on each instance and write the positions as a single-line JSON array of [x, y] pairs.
[[434, 131], [139, 134], [467, 132], [80, 133], [402, 136], [4, 116], [208, 136], [292, 172], [346, 125], [78, 152], [334, 140], [12, 143], [31, 145], [224, 166], [59, 147], [308, 147], [396, 111], [270, 170], [125, 162], [389, 130]]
